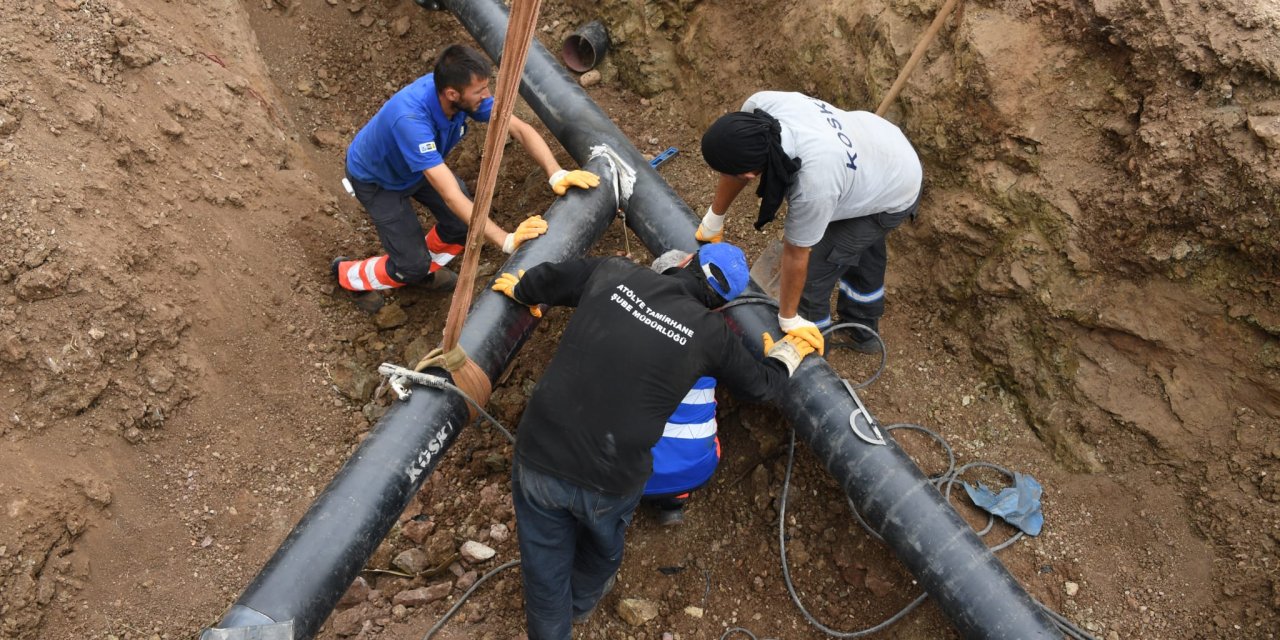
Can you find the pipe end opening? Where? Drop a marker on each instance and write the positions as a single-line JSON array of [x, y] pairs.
[[578, 53]]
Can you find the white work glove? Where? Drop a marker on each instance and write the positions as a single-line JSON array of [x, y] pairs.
[[789, 351], [561, 180], [712, 227], [532, 227], [804, 330]]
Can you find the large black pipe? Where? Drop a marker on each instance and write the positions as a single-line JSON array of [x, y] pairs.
[[302, 582], [953, 565]]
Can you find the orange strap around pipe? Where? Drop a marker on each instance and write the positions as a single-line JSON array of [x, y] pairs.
[[515, 50]]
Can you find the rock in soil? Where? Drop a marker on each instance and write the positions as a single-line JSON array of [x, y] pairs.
[[636, 612]]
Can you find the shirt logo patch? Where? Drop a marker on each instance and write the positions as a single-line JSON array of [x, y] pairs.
[[426, 147]]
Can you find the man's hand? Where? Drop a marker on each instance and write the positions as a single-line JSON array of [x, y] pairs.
[[790, 351], [804, 330], [712, 227], [563, 179], [506, 285], [532, 227]]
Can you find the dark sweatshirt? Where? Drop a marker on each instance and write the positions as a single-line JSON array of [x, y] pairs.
[[632, 350]]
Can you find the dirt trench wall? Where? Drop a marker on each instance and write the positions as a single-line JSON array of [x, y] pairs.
[[139, 150]]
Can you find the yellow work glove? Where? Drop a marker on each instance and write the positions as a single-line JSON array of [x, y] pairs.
[[711, 229], [532, 227], [805, 330], [790, 351], [506, 285], [561, 180]]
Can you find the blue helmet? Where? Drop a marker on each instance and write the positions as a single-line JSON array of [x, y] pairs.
[[725, 269]]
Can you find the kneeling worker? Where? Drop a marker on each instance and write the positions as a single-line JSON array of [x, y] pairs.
[[399, 156]]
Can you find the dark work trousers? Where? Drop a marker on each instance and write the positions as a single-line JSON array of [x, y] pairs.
[[853, 255], [571, 542], [401, 232]]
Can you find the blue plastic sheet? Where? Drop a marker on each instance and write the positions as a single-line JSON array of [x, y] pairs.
[[1018, 505]]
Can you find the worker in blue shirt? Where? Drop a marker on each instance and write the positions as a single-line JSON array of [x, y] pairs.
[[399, 156]]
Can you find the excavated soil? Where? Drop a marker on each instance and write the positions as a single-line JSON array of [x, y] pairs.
[[1090, 296]]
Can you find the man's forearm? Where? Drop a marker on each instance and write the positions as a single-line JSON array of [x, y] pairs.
[[537, 148], [726, 191], [463, 207], [795, 268]]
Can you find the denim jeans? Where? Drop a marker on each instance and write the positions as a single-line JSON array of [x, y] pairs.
[[571, 541]]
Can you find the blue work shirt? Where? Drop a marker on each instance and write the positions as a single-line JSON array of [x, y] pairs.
[[407, 136], [688, 452]]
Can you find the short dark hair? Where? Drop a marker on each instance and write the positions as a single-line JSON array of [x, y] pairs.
[[459, 66]]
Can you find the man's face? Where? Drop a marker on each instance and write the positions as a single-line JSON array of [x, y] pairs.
[[472, 95]]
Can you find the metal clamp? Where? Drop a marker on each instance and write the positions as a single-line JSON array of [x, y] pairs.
[[871, 433], [398, 376]]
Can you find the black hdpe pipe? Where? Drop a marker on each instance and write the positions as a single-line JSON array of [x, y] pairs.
[[972, 587], [299, 586]]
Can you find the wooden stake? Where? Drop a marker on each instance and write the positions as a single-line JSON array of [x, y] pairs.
[[918, 53], [515, 51]]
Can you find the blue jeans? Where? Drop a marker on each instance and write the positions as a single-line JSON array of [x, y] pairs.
[[571, 541]]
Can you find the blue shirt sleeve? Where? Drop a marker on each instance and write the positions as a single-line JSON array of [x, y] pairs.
[[482, 114], [417, 143]]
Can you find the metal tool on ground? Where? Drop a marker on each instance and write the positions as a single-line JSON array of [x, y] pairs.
[[663, 157]]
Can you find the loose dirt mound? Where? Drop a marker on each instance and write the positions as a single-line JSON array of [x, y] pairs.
[[1090, 297]]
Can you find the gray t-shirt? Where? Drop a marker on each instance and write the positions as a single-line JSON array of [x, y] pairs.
[[852, 163]]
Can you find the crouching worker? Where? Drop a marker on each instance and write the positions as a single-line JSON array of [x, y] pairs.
[[686, 456], [688, 453], [399, 158], [632, 350]]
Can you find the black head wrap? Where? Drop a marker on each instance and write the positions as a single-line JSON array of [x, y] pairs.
[[740, 142]]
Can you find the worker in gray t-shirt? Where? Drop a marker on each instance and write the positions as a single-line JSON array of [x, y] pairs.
[[849, 177]]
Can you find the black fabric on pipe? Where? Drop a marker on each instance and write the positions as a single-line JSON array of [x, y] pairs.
[[333, 541], [980, 596]]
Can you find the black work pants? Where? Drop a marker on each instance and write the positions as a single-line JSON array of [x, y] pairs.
[[852, 255], [401, 232]]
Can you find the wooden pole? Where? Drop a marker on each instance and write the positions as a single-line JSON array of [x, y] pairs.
[[515, 50], [915, 57]]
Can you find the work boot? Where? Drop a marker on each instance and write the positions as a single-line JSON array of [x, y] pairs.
[[857, 338], [369, 302], [586, 615], [441, 280]]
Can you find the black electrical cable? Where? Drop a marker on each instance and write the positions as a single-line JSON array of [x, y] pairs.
[[494, 421], [944, 481], [732, 630], [458, 605], [884, 351], [786, 570]]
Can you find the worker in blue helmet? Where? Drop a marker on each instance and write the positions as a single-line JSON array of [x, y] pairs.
[[633, 349]]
